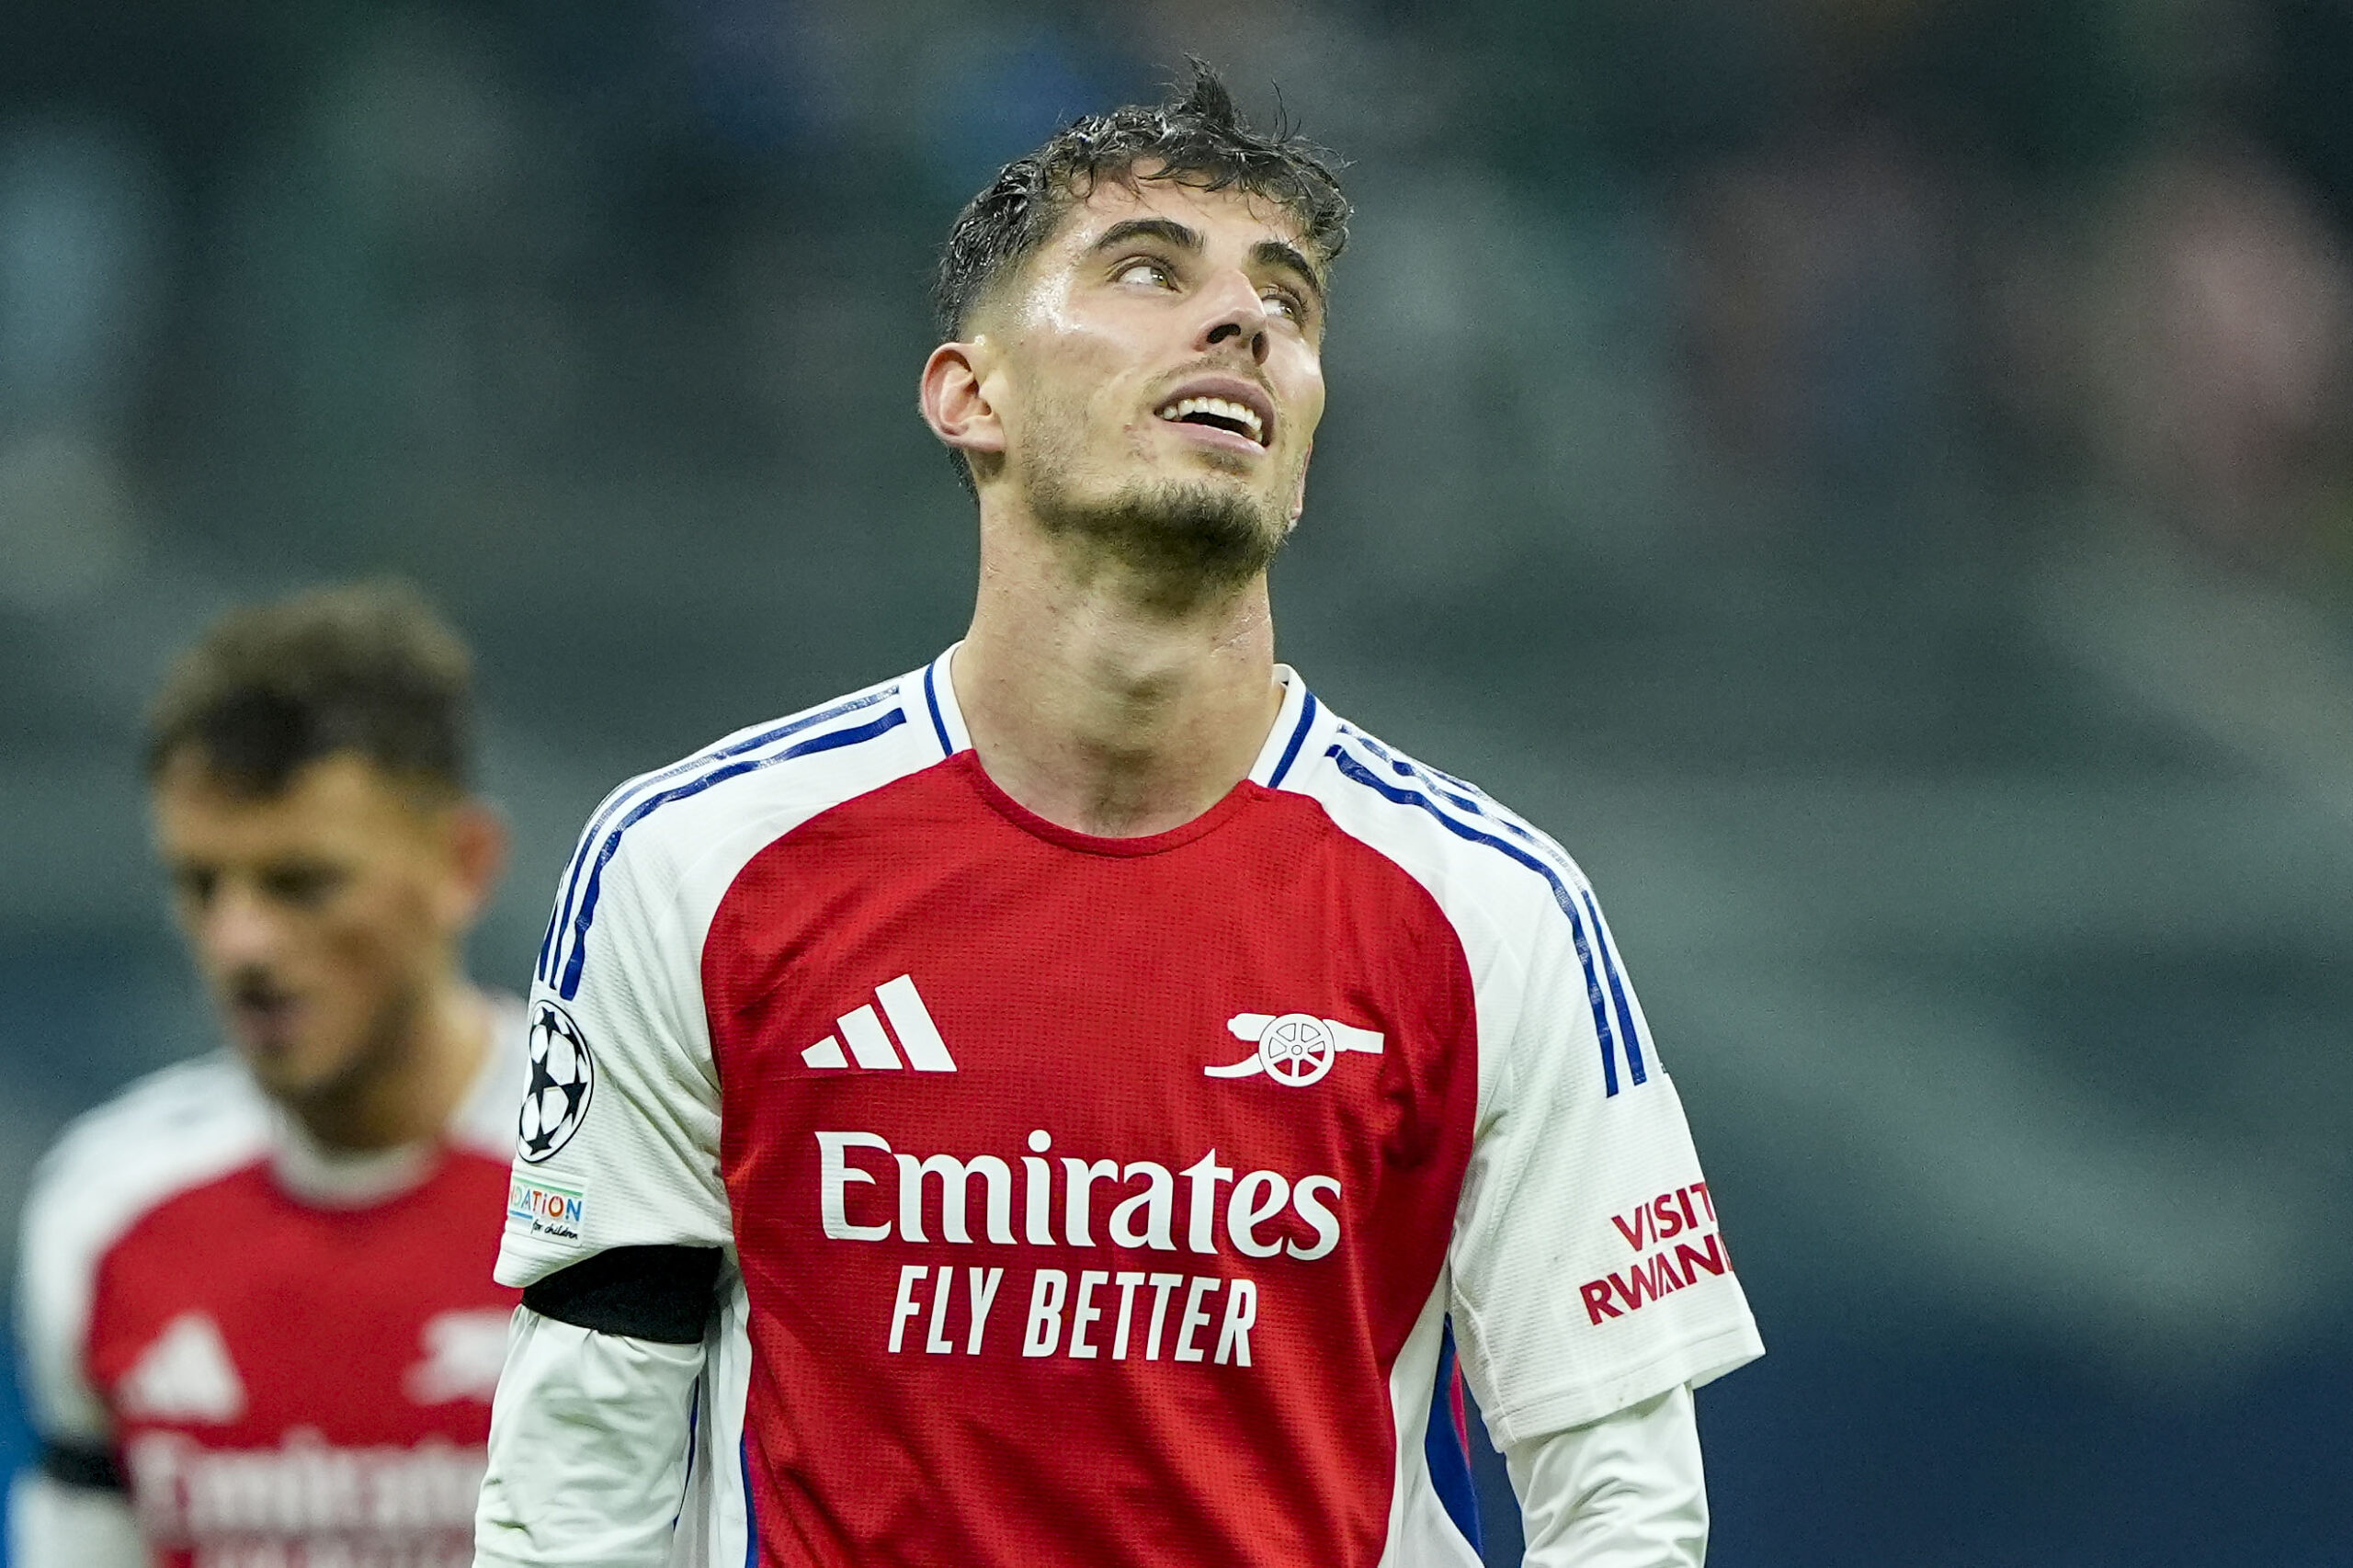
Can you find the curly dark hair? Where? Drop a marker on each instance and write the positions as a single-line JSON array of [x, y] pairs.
[[367, 667], [1199, 140]]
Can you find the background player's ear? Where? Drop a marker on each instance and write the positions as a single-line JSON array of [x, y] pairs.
[[954, 405], [477, 849]]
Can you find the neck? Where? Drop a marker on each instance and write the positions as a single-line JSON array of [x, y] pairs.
[[413, 1079], [1108, 698]]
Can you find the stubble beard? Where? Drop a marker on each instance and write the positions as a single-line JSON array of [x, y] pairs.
[[1190, 535], [340, 1092]]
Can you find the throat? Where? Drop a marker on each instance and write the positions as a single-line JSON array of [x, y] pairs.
[[1113, 728]]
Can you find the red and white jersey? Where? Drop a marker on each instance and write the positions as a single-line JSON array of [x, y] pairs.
[[287, 1355], [1105, 1201]]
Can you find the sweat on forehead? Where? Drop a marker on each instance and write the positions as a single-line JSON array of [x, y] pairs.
[[1200, 142]]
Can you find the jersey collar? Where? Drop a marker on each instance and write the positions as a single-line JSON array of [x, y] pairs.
[[1284, 742], [1287, 739], [937, 695]]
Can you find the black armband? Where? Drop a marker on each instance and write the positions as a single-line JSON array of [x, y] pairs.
[[71, 1464], [658, 1294]]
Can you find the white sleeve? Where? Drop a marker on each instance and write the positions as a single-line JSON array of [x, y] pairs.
[[588, 1442], [56, 1267], [618, 1141], [1625, 1492], [52, 1525], [1588, 1271]]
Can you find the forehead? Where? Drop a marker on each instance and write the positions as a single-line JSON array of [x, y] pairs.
[[1230, 216], [338, 800]]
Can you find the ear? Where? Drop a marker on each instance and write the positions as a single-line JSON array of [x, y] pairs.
[[1299, 496], [954, 405], [476, 842]]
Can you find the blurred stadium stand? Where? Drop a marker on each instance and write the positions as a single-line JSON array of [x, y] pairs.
[[1876, 480]]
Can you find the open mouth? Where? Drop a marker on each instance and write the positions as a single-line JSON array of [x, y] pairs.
[[1218, 413], [263, 1013]]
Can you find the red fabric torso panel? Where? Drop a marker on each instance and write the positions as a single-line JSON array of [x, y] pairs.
[[1066, 1169], [302, 1385]]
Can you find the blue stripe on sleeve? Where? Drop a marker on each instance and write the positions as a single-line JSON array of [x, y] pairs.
[[833, 741], [550, 947], [1633, 1041], [1357, 772]]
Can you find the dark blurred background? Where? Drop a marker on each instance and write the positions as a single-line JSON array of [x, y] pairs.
[[1874, 477]]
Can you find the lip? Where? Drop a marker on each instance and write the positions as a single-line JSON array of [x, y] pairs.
[[264, 1022], [1233, 389]]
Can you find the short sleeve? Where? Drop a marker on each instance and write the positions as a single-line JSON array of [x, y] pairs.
[[618, 1135], [1589, 1270], [53, 1289]]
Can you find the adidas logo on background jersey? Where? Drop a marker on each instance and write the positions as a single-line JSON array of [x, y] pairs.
[[185, 1375], [464, 1353], [870, 1043]]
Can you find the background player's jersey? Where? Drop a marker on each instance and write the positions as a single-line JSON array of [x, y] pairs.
[[1103, 1201], [284, 1357]]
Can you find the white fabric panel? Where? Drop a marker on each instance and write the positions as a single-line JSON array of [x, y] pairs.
[[52, 1525], [1624, 1492], [1556, 1157], [588, 1441]]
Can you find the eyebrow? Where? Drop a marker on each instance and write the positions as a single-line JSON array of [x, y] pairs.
[[1165, 229], [1266, 253], [1275, 252]]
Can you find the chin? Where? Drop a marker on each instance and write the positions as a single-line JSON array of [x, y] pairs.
[[279, 1073], [1207, 528]]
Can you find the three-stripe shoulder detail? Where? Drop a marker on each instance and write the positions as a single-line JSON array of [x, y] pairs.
[[853, 722], [1469, 815]]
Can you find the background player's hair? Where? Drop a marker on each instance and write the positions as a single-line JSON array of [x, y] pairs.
[[1199, 140], [367, 667]]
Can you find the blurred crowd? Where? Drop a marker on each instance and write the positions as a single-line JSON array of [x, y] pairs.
[[258, 258]]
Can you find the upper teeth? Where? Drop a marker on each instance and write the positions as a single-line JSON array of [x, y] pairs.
[[1240, 413]]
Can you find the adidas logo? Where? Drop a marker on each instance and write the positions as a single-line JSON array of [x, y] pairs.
[[870, 1043], [185, 1375]]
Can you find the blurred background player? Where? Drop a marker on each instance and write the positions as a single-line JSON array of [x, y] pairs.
[[1102, 1083], [255, 1304]]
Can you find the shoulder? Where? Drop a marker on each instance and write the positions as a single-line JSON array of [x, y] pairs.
[[676, 835], [1481, 861], [1526, 914], [172, 1133], [170, 1130]]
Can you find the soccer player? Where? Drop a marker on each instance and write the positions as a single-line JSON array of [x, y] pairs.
[[1064, 1105], [255, 1307]]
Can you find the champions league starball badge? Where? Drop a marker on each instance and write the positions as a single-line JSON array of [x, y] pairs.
[[562, 1077]]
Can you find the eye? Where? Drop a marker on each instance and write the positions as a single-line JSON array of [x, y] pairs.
[[194, 885], [301, 886], [1147, 271], [1287, 303]]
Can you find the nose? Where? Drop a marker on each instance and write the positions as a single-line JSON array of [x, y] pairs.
[[1238, 316], [238, 930]]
